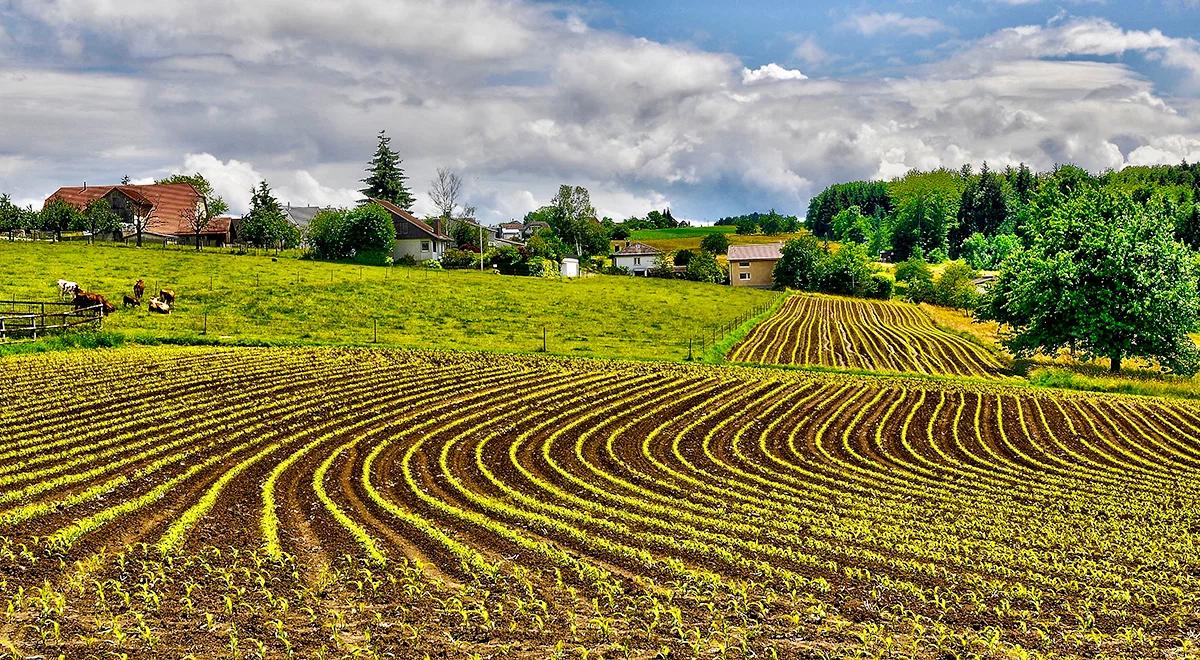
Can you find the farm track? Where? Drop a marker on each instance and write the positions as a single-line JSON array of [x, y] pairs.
[[390, 502], [865, 335]]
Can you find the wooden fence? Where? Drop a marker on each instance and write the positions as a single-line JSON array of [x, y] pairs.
[[30, 319]]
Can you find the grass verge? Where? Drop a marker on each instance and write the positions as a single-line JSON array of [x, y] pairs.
[[717, 352]]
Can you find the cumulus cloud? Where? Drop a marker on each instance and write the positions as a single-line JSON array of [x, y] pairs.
[[519, 99], [771, 71], [873, 23]]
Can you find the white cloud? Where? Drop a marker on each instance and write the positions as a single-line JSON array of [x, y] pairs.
[[771, 71], [873, 23], [287, 92]]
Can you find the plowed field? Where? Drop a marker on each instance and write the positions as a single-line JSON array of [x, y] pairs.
[[271, 503], [862, 334]]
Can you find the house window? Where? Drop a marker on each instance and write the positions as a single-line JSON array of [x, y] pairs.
[[743, 276], [424, 246], [637, 261], [744, 264]]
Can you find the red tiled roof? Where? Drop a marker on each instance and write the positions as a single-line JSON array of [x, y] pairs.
[[636, 249], [167, 201], [759, 252], [409, 218]]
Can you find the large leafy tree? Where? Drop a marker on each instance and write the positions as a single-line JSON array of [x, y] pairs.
[[385, 178], [1103, 275], [800, 264], [572, 218], [703, 267]]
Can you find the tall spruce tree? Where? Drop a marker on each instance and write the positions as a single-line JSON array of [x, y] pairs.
[[982, 209], [385, 178]]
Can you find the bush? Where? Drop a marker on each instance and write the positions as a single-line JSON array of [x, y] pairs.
[[431, 264], [682, 257], [369, 228], [542, 267], [882, 287], [455, 258], [406, 260]]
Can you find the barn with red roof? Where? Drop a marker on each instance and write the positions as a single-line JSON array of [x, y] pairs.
[[164, 206]]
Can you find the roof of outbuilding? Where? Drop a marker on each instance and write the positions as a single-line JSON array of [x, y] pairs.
[[635, 249], [756, 252]]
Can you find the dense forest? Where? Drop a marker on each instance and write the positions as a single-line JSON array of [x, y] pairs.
[[983, 216]]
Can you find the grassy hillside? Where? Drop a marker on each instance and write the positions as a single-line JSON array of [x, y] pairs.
[[688, 238], [251, 297]]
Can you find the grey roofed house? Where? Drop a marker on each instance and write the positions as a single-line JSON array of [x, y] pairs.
[[301, 216]]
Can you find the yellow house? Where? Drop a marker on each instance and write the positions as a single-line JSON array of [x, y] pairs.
[[752, 265]]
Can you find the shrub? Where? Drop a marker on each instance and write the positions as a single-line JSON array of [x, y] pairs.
[[455, 258], [682, 257], [369, 228], [882, 287], [374, 257]]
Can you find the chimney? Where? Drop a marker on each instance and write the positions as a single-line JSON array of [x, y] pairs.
[[437, 226], [85, 185]]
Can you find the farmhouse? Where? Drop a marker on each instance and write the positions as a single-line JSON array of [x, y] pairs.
[[414, 237], [753, 265], [162, 204], [637, 258]]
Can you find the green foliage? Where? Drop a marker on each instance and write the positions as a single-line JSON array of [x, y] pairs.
[[682, 257], [265, 224], [58, 216], [327, 234], [98, 218], [715, 244], [619, 233], [369, 231], [703, 267], [955, 287], [573, 220], [1103, 275], [922, 221], [455, 258], [872, 197], [982, 209], [653, 220], [807, 265], [768, 223], [983, 253], [545, 244], [385, 178], [12, 217]]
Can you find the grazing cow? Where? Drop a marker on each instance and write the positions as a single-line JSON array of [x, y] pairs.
[[68, 288], [139, 288], [130, 301], [167, 296], [158, 306], [84, 300]]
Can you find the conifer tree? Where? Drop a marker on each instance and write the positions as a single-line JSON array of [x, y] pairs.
[[385, 178]]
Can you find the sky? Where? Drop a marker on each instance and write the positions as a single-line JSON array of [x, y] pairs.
[[711, 108]]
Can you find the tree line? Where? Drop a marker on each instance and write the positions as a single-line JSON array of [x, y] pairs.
[[1104, 265]]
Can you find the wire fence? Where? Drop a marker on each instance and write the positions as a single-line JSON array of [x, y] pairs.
[[30, 319]]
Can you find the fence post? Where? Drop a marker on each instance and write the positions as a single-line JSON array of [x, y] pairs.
[[543, 339], [205, 330], [375, 325], [689, 349]]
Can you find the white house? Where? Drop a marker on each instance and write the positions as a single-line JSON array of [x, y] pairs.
[[637, 258], [414, 237]]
